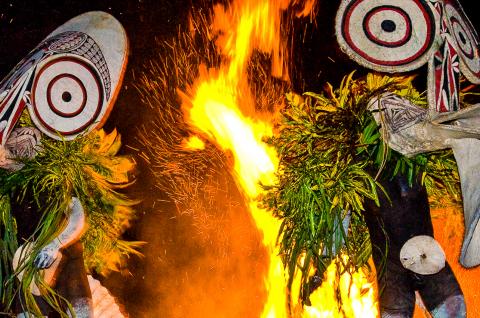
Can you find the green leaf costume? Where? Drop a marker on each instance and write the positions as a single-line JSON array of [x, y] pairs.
[[87, 168]]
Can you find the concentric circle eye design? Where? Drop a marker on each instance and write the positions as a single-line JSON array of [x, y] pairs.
[[463, 38], [67, 97], [388, 36], [388, 26], [466, 40]]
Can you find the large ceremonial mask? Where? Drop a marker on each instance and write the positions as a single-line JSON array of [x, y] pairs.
[[403, 35], [66, 87], [69, 82]]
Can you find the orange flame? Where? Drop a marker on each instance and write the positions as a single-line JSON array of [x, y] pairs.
[[251, 25], [217, 109]]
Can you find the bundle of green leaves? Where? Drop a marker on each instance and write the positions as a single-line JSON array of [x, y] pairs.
[[87, 168], [331, 156]]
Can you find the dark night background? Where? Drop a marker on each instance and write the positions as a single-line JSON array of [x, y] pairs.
[[24, 23]]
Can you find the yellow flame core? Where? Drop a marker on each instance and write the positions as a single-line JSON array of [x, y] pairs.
[[217, 109], [357, 293], [218, 117], [193, 143]]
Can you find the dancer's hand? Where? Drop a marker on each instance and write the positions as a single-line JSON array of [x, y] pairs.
[[46, 256]]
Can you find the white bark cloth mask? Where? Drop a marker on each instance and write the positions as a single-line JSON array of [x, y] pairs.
[[70, 81]]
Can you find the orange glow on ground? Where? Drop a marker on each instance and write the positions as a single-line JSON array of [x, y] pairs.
[[448, 229]]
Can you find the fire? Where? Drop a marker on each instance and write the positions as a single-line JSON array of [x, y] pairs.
[[251, 25], [221, 107], [357, 292], [193, 143], [215, 113]]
